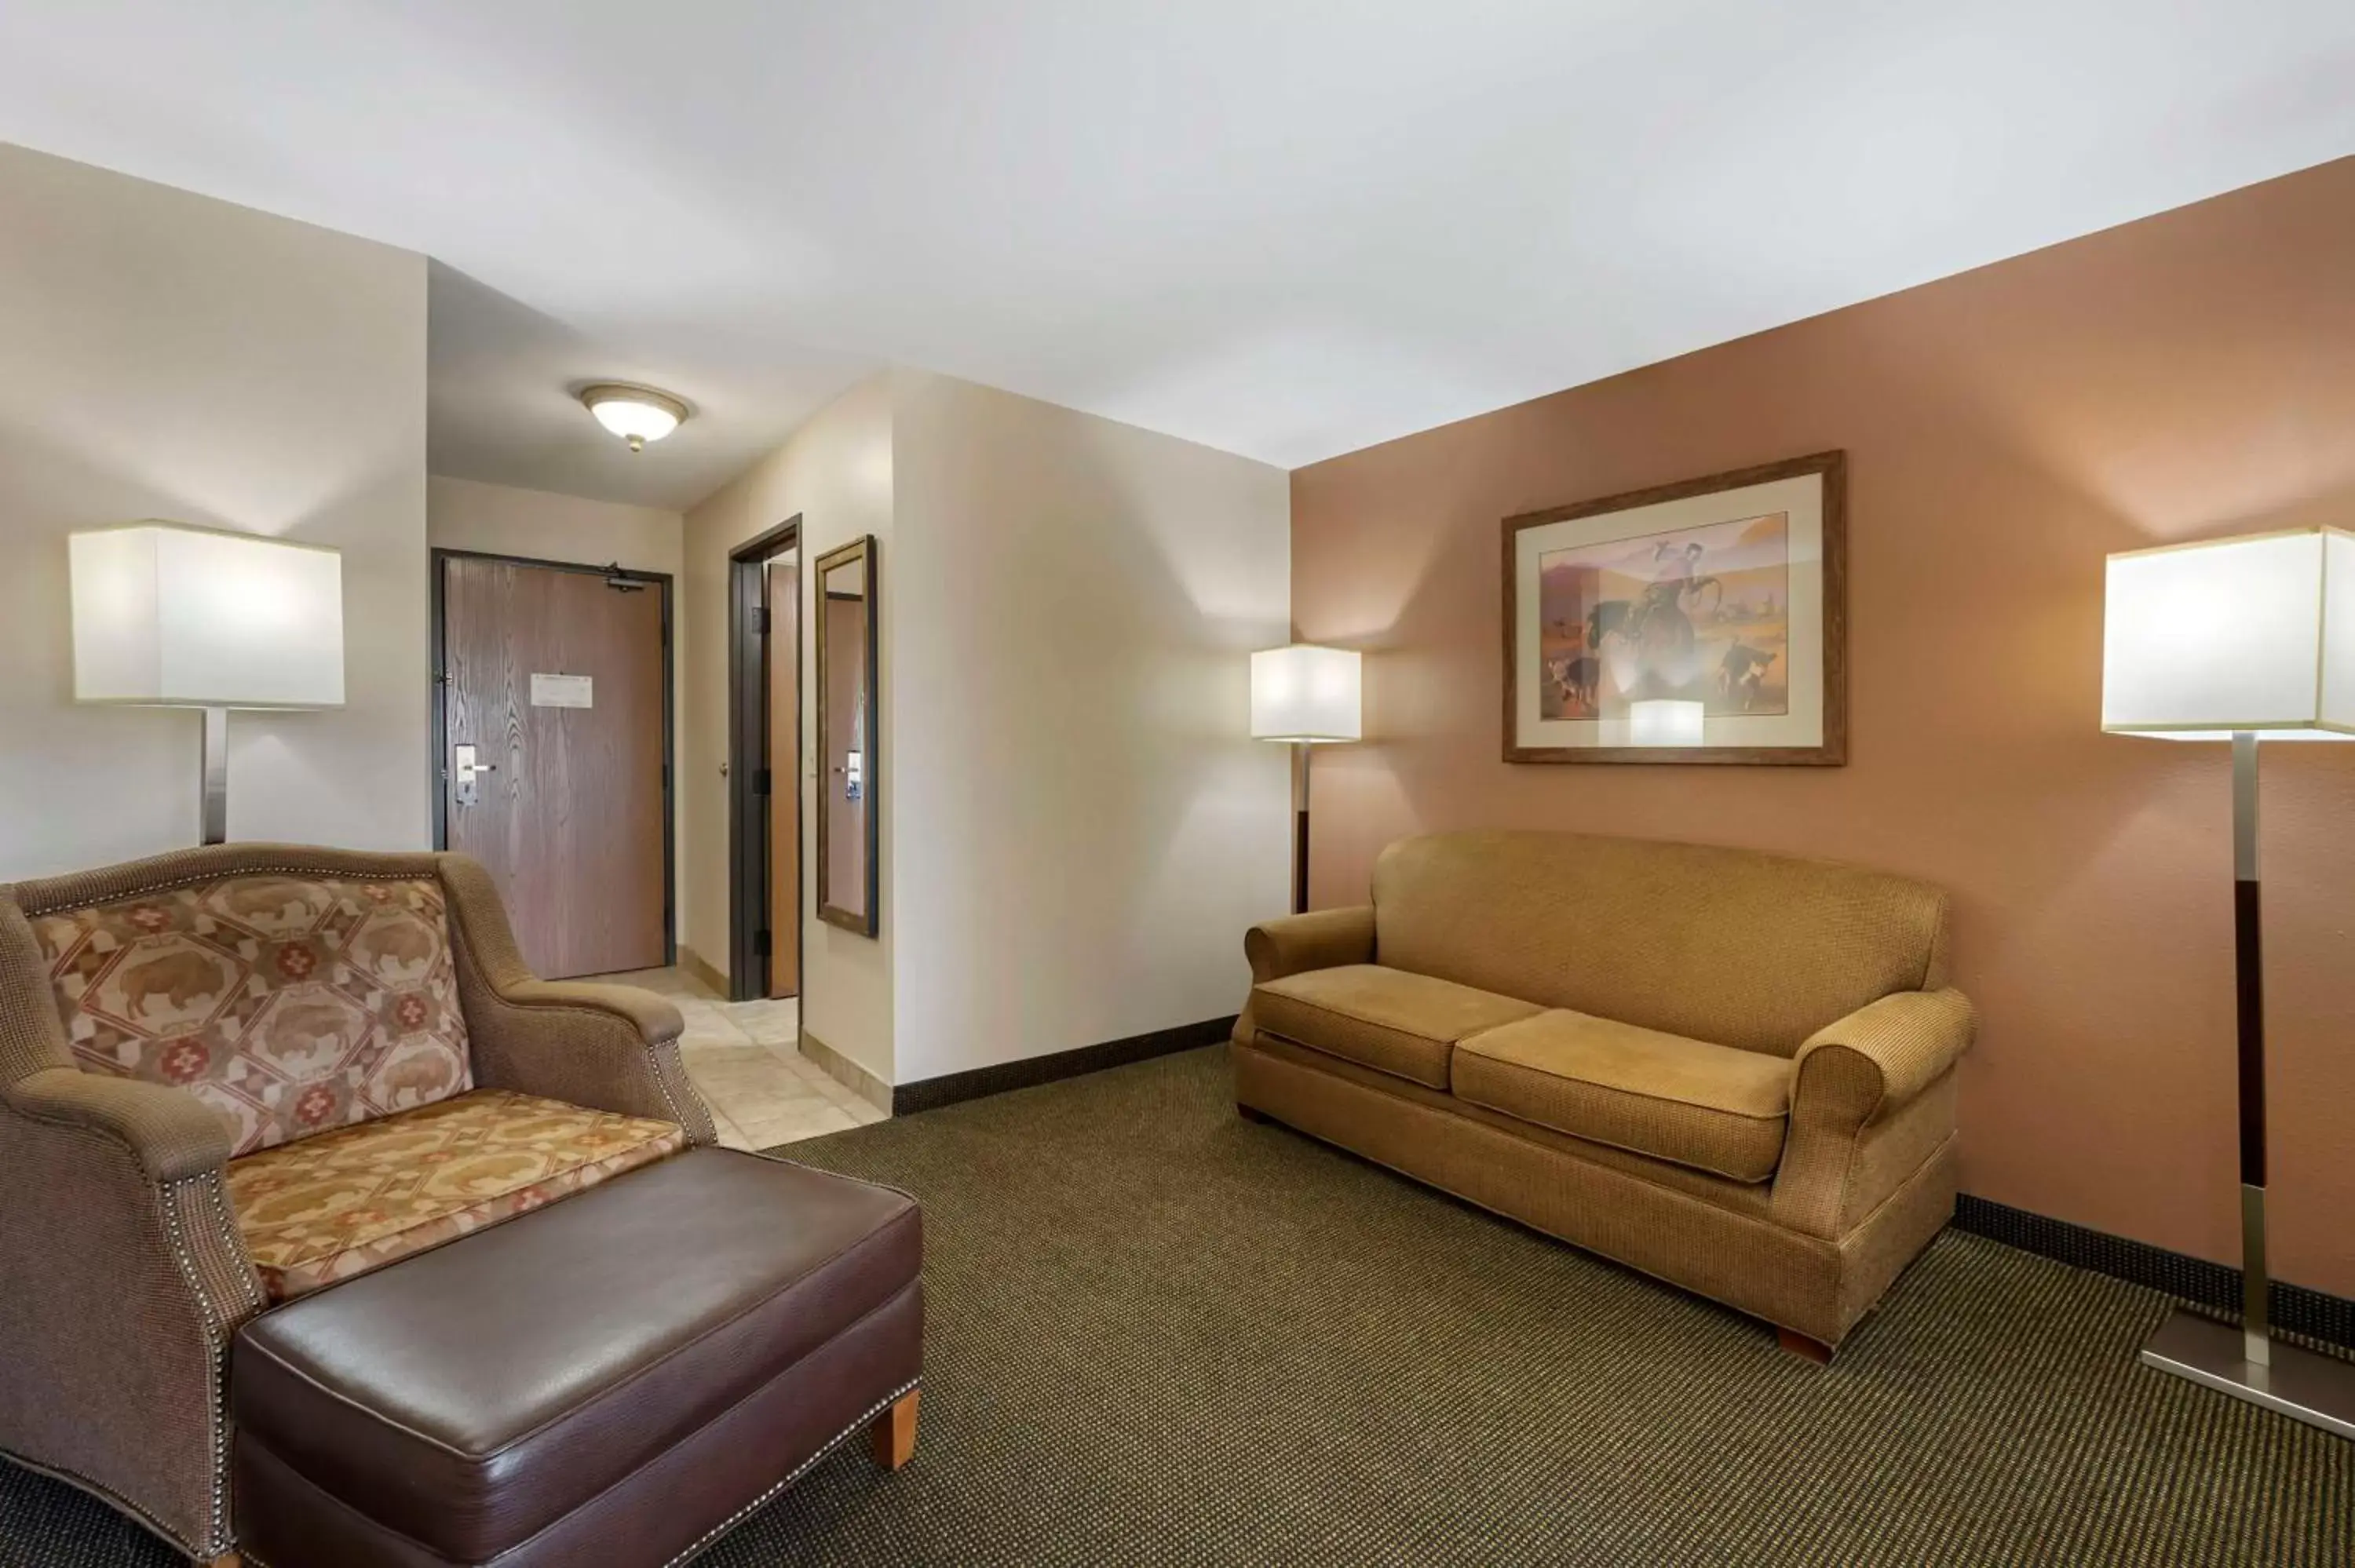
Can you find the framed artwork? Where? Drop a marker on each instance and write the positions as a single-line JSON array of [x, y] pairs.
[[1704, 621]]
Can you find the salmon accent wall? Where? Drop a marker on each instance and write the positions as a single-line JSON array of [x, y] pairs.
[[2189, 376]]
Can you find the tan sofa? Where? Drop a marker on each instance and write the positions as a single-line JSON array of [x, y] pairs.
[[1733, 1071]]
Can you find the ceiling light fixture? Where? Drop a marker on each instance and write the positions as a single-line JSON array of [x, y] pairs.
[[636, 413]]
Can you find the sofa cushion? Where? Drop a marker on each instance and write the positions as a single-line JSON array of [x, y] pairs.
[[347, 1202], [1712, 1108], [1402, 1023], [290, 1004]]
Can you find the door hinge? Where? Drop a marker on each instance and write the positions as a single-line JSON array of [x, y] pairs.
[[760, 944], [760, 618], [763, 781]]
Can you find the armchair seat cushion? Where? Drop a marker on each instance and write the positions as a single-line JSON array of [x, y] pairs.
[[1390, 1020], [344, 1203], [1712, 1108]]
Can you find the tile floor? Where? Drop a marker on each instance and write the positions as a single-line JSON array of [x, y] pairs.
[[762, 1092]]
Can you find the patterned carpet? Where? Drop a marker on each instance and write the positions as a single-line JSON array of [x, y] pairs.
[[1162, 1335]]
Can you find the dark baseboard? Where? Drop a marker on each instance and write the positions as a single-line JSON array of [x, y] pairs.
[[2316, 1314], [930, 1094]]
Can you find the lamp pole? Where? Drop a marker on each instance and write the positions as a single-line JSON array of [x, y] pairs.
[[1301, 752], [2298, 1383], [212, 803], [2249, 996]]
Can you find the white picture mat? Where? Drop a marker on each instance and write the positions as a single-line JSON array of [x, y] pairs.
[[1800, 498]]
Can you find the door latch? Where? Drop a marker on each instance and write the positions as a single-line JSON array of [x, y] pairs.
[[464, 770]]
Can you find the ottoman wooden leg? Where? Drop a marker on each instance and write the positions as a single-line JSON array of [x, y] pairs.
[[894, 1432]]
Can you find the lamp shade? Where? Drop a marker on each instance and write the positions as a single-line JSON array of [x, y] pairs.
[[187, 616], [1306, 692], [2256, 633]]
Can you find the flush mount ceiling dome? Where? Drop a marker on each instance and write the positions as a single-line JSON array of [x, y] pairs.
[[636, 413]]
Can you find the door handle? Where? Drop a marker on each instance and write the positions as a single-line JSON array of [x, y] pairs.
[[464, 769]]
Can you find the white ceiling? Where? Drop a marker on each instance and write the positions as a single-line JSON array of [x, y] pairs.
[[1285, 228]]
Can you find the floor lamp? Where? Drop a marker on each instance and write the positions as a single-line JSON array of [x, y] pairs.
[[169, 616], [2249, 639], [1309, 697]]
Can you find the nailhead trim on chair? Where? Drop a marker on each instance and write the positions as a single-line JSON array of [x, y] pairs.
[[741, 1514], [215, 1346]]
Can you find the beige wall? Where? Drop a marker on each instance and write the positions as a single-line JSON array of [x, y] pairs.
[[504, 520], [163, 354], [539, 524], [2179, 377], [1084, 830], [835, 472]]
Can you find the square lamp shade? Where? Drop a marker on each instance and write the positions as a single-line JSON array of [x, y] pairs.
[[2256, 633], [1305, 694], [182, 616]]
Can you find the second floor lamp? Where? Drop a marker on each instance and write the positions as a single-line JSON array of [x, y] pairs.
[[1309, 697]]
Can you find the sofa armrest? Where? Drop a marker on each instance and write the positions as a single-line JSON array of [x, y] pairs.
[[1320, 939], [1851, 1077], [170, 1132], [608, 1047], [1883, 1055]]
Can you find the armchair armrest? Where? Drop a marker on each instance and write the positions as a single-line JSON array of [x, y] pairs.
[[1852, 1077], [171, 1133], [656, 1018], [122, 1278], [1320, 939], [608, 1047]]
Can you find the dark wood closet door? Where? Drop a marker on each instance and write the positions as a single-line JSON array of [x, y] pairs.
[[568, 816], [782, 583]]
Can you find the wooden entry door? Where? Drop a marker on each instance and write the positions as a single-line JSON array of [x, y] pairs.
[[556, 679]]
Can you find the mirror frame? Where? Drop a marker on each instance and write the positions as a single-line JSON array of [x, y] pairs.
[[862, 550]]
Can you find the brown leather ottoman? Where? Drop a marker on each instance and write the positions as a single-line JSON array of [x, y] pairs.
[[612, 1380]]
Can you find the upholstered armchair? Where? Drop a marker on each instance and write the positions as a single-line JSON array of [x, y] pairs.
[[239, 1073]]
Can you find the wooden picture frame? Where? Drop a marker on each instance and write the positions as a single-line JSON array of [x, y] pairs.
[[1718, 607], [850, 767]]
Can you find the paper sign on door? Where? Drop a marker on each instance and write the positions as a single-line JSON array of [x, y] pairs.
[[561, 692]]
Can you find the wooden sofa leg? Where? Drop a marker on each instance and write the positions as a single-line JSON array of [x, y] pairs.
[[894, 1432], [1806, 1348]]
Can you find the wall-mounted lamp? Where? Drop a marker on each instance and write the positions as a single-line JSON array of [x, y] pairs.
[[636, 413], [169, 616], [1309, 697]]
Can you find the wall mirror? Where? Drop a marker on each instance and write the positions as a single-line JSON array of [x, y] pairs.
[[847, 843]]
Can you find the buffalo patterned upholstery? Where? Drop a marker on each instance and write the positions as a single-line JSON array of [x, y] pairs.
[[319, 1018], [346, 1201], [290, 1005]]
